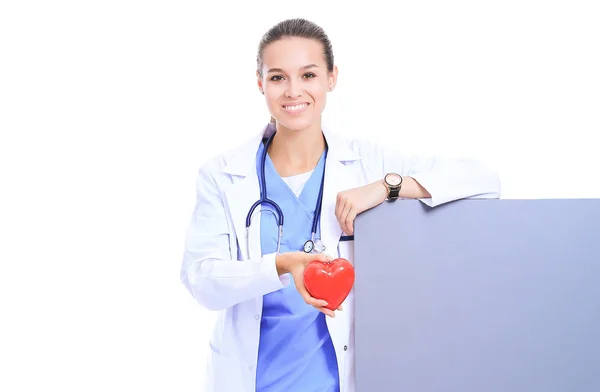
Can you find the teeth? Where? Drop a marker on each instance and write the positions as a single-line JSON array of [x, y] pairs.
[[295, 107]]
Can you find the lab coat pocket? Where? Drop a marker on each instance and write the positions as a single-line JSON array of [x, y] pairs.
[[346, 248], [223, 374]]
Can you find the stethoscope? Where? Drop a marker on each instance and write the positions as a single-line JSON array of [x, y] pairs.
[[311, 245]]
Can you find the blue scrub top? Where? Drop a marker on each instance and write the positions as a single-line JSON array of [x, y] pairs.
[[295, 352]]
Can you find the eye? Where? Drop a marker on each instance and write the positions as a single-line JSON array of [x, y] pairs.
[[309, 75], [276, 78]]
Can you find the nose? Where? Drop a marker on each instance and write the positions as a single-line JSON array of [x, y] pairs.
[[293, 89]]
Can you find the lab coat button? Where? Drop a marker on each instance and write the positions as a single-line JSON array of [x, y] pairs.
[[250, 367], [257, 317], [345, 348]]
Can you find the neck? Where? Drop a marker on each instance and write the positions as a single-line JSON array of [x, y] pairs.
[[296, 152]]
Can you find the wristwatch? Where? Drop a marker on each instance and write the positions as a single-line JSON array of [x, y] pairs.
[[393, 182]]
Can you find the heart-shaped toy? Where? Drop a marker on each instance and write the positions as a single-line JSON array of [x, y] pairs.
[[330, 281]]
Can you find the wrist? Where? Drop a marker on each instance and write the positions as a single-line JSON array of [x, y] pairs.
[[281, 263], [384, 189]]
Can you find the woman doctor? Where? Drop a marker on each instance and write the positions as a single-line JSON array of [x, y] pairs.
[[271, 335]]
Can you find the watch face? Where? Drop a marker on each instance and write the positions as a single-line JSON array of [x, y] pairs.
[[393, 179]]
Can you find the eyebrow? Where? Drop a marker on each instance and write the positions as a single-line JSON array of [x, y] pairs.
[[281, 70]]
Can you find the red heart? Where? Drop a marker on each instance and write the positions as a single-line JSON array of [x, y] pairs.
[[331, 281]]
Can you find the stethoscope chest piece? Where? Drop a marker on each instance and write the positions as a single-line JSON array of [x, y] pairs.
[[311, 246]]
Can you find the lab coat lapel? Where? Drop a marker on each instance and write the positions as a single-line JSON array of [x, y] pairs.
[[338, 178], [340, 175], [243, 193], [240, 197]]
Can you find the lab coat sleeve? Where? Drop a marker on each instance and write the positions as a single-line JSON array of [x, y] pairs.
[[445, 178], [208, 272]]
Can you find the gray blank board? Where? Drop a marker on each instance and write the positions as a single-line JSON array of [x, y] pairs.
[[478, 296]]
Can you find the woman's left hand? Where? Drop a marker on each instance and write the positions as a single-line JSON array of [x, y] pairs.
[[354, 201]]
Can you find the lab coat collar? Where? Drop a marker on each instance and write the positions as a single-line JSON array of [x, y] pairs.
[[243, 160]]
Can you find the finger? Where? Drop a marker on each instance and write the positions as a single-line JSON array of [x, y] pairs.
[[340, 308], [323, 257], [340, 204], [327, 312], [350, 221], [343, 217], [317, 303]]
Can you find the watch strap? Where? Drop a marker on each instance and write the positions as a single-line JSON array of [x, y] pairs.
[[393, 192]]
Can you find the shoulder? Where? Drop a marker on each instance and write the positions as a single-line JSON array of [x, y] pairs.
[[219, 161], [353, 148], [219, 170], [374, 158], [238, 159]]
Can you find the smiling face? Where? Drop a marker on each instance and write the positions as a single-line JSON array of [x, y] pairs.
[[295, 82]]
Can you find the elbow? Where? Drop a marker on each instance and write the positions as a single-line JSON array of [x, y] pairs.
[[200, 289], [209, 304], [489, 185], [495, 186]]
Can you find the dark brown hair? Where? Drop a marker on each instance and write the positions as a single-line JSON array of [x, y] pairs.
[[298, 27]]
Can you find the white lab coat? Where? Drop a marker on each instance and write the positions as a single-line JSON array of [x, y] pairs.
[[218, 273]]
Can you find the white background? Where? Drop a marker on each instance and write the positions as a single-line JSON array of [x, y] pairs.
[[108, 108]]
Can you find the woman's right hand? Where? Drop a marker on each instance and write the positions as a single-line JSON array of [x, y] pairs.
[[294, 263]]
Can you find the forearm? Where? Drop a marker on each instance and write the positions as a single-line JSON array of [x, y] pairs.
[[218, 284], [411, 189]]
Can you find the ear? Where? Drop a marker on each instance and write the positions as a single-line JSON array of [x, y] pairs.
[[259, 83], [332, 78]]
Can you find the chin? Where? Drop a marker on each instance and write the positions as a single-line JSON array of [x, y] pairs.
[[297, 124]]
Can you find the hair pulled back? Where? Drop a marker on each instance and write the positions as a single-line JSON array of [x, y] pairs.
[[300, 28]]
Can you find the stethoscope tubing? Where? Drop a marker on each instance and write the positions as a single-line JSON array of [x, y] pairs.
[[280, 217]]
